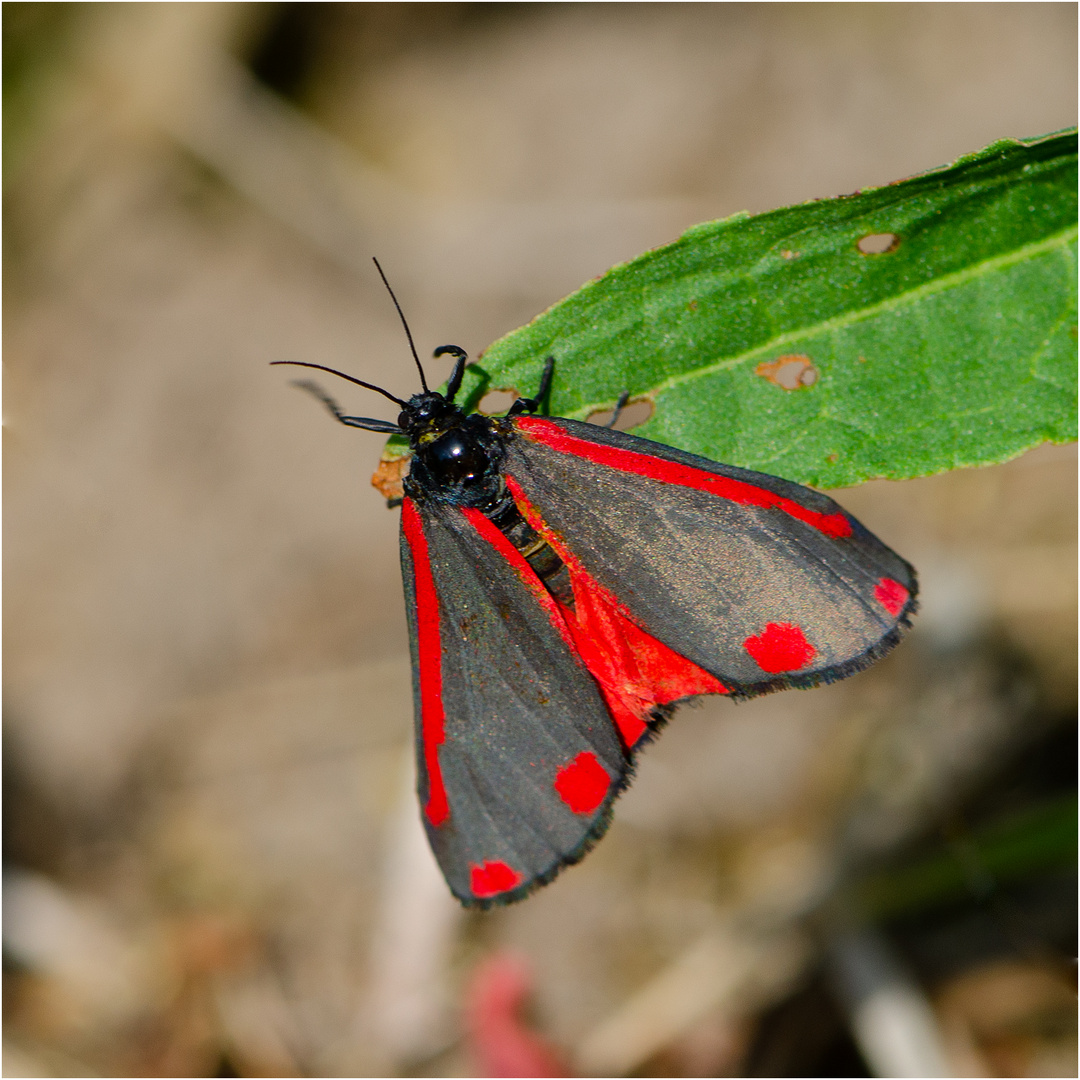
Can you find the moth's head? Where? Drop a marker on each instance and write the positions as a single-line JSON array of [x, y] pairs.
[[427, 417]]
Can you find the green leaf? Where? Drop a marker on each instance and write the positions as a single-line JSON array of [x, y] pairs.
[[954, 347], [1035, 840]]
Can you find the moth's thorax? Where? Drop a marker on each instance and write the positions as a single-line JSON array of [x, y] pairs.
[[456, 457]]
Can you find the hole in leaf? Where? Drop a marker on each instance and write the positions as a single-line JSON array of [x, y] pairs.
[[789, 372], [633, 414], [879, 243], [497, 401]]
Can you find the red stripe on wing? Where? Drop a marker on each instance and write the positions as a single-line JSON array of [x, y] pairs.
[[672, 472], [634, 670], [527, 574], [429, 648]]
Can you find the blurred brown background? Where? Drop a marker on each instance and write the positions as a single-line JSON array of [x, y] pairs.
[[213, 863]]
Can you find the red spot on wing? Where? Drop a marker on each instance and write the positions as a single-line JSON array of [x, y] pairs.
[[583, 783], [891, 595], [635, 671], [493, 878], [544, 431], [780, 647], [429, 650]]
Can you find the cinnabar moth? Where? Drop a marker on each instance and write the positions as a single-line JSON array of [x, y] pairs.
[[567, 584]]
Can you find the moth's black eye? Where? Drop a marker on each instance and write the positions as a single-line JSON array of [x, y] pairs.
[[403, 421], [455, 458]]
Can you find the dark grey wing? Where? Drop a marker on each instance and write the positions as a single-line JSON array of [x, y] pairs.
[[762, 582], [518, 757]]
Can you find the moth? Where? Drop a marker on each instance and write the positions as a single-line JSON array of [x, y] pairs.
[[567, 585]]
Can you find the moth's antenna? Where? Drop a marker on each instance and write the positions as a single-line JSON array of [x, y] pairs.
[[342, 375], [401, 315]]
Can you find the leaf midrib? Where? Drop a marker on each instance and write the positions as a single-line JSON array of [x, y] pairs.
[[948, 281]]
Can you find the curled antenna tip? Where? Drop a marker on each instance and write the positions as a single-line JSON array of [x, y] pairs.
[[453, 350]]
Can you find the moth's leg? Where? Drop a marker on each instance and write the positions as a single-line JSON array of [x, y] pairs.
[[530, 405], [624, 397], [454, 385]]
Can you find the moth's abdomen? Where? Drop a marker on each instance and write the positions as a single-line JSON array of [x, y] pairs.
[[549, 568]]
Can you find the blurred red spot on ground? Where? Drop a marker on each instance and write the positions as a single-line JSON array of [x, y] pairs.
[[499, 1041]]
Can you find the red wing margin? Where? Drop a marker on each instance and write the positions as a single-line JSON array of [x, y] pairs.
[[759, 581], [517, 755]]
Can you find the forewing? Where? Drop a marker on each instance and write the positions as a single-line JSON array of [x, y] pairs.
[[518, 757], [760, 581]]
